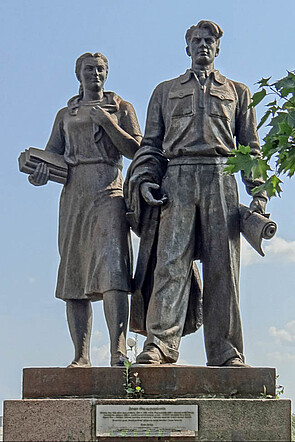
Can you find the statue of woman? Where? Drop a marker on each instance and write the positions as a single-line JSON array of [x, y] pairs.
[[92, 133]]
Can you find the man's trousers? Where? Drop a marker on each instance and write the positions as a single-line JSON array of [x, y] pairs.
[[200, 221]]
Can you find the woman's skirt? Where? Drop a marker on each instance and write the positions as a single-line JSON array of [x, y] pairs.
[[94, 237]]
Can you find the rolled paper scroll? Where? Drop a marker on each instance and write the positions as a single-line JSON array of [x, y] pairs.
[[255, 227]]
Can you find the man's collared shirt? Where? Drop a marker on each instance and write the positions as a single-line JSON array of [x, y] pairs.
[[186, 118]]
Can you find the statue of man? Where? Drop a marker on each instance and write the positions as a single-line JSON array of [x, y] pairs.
[[193, 123]]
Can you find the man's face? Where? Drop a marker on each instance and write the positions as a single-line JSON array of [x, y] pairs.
[[93, 73], [203, 47]]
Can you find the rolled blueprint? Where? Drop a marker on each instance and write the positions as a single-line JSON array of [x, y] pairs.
[[255, 227]]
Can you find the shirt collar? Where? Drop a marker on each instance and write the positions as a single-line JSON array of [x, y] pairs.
[[217, 76]]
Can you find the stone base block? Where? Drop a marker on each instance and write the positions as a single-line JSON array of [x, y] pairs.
[[219, 419], [48, 420], [164, 381]]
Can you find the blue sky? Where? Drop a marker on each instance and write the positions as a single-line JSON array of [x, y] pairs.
[[144, 42]]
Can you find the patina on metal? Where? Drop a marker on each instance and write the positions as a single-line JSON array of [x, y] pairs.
[[185, 207], [92, 134]]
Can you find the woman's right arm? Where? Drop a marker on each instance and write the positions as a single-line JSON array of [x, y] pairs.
[[56, 144]]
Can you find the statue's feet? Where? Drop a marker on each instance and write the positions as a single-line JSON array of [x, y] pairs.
[[235, 362], [151, 355], [118, 359], [79, 363]]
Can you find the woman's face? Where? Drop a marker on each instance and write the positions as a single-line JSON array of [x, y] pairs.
[[93, 74]]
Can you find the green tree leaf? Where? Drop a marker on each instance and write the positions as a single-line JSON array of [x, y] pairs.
[[291, 118], [269, 148], [271, 186], [264, 81], [285, 129], [241, 161], [274, 123], [257, 97], [245, 150], [279, 143], [285, 91], [275, 181], [263, 119], [287, 82], [271, 103], [260, 170], [287, 162]]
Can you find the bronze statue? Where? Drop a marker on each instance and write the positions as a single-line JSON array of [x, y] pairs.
[[92, 133], [185, 208]]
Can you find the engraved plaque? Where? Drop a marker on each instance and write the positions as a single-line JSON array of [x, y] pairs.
[[146, 420]]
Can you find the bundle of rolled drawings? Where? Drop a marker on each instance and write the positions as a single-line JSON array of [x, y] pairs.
[[30, 158]]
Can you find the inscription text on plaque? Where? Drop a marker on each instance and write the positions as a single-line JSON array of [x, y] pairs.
[[146, 420]]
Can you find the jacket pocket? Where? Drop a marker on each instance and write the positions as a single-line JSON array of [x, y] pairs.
[[221, 103], [182, 103]]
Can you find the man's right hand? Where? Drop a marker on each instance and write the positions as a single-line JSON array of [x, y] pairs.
[[40, 175], [258, 204], [146, 191]]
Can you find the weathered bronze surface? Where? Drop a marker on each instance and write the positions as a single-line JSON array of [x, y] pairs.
[[185, 207], [92, 134]]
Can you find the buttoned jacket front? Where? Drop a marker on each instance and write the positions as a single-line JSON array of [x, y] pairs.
[[188, 119]]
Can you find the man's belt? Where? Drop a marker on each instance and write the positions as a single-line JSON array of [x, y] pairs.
[[188, 160]]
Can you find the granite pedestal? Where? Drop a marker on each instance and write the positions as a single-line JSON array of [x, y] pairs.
[[60, 404], [165, 381]]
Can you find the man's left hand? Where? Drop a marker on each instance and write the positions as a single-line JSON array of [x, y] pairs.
[[258, 204]]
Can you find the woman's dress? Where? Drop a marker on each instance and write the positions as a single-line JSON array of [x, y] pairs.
[[94, 237]]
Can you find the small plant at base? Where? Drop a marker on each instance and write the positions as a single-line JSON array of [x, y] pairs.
[[265, 395], [127, 375], [132, 384], [279, 389], [139, 391]]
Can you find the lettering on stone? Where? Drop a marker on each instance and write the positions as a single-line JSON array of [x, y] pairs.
[[146, 420]]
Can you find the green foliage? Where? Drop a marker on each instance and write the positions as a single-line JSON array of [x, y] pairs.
[[264, 394], [251, 165], [241, 161], [257, 97], [132, 383], [279, 143], [271, 186], [279, 389]]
